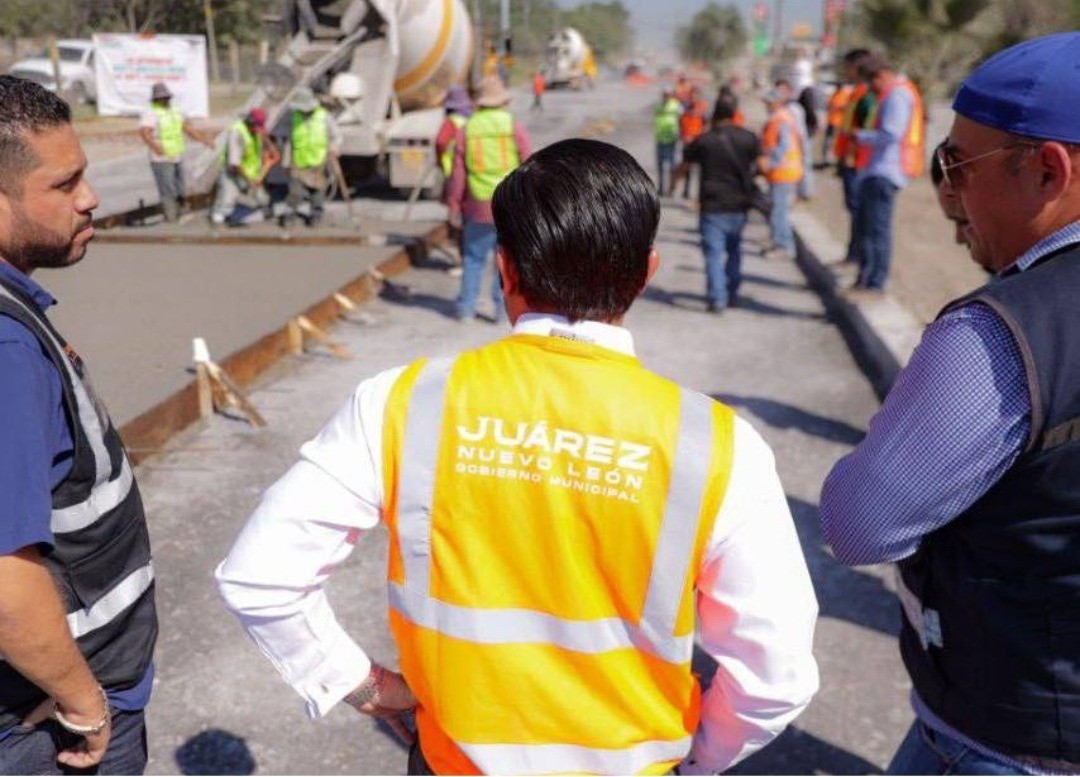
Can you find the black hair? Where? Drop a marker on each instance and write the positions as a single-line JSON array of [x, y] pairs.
[[854, 56], [937, 175], [782, 82], [578, 220], [28, 108], [725, 109]]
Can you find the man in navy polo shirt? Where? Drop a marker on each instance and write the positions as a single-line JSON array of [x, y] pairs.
[[77, 618]]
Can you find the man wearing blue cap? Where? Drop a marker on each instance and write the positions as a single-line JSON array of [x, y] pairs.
[[969, 477]]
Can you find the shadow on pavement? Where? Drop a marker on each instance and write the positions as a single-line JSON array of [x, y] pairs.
[[843, 592], [215, 752], [780, 415], [794, 751], [761, 280]]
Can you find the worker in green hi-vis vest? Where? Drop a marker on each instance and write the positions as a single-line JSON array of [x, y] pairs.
[[162, 128], [246, 158], [487, 149], [314, 141]]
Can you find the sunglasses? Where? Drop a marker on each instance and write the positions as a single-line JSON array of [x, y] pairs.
[[952, 168]]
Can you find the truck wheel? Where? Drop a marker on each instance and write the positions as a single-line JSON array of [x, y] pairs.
[[77, 94]]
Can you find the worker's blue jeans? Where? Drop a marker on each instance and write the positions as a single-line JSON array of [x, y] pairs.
[[721, 242], [665, 160], [873, 225], [925, 751], [780, 217], [477, 244]]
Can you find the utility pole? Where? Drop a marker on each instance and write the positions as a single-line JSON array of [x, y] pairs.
[[211, 41], [478, 45], [504, 27], [778, 27]]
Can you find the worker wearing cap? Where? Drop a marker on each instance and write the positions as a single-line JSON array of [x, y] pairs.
[[162, 128], [487, 149], [314, 141], [247, 157], [858, 110], [891, 150], [782, 164], [561, 521], [968, 475], [458, 106]]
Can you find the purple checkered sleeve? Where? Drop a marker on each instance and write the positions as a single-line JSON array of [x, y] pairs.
[[953, 423]]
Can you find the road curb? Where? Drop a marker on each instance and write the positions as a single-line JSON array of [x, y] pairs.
[[880, 332]]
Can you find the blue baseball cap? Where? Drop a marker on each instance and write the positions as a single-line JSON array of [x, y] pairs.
[[1030, 89]]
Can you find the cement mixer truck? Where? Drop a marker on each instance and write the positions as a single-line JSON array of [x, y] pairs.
[[386, 64], [569, 60]]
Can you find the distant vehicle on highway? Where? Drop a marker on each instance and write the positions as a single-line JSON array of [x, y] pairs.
[[76, 70], [569, 60]]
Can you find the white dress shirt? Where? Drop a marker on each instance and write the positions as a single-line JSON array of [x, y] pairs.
[[755, 604]]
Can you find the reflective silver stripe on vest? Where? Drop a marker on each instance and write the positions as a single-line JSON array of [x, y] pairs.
[[675, 545], [548, 759], [119, 598], [674, 550], [419, 457], [88, 416], [487, 626], [102, 499]]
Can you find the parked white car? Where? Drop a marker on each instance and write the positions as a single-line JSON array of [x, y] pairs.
[[76, 70]]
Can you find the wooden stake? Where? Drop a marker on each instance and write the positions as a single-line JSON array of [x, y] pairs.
[[346, 304], [309, 329], [232, 394], [205, 391], [296, 338]]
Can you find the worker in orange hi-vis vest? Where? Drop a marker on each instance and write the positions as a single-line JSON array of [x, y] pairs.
[[556, 556], [834, 118], [891, 151], [539, 86], [782, 163], [856, 113], [692, 123]]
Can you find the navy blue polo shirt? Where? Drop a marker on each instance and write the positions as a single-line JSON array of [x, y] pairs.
[[36, 447]]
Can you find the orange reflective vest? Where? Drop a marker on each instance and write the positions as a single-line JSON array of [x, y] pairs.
[[790, 167], [692, 121], [913, 142], [838, 104], [739, 119], [543, 552], [844, 145]]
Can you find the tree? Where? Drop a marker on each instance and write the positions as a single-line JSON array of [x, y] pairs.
[[715, 35], [937, 42]]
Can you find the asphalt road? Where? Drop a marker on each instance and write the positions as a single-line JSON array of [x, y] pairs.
[[219, 706]]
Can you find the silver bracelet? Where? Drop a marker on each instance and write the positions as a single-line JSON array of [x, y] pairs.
[[368, 691], [85, 731]]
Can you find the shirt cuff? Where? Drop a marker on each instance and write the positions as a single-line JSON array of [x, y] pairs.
[[327, 684]]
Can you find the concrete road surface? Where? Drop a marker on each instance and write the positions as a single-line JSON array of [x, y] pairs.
[[219, 706]]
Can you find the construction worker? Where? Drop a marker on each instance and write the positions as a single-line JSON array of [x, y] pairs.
[[804, 188], [488, 148], [314, 141], [891, 151], [459, 108], [845, 148], [539, 86], [666, 134], [692, 123], [782, 164], [162, 128], [561, 520], [834, 117], [246, 158]]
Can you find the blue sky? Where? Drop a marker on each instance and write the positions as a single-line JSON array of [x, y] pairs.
[[657, 20]]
